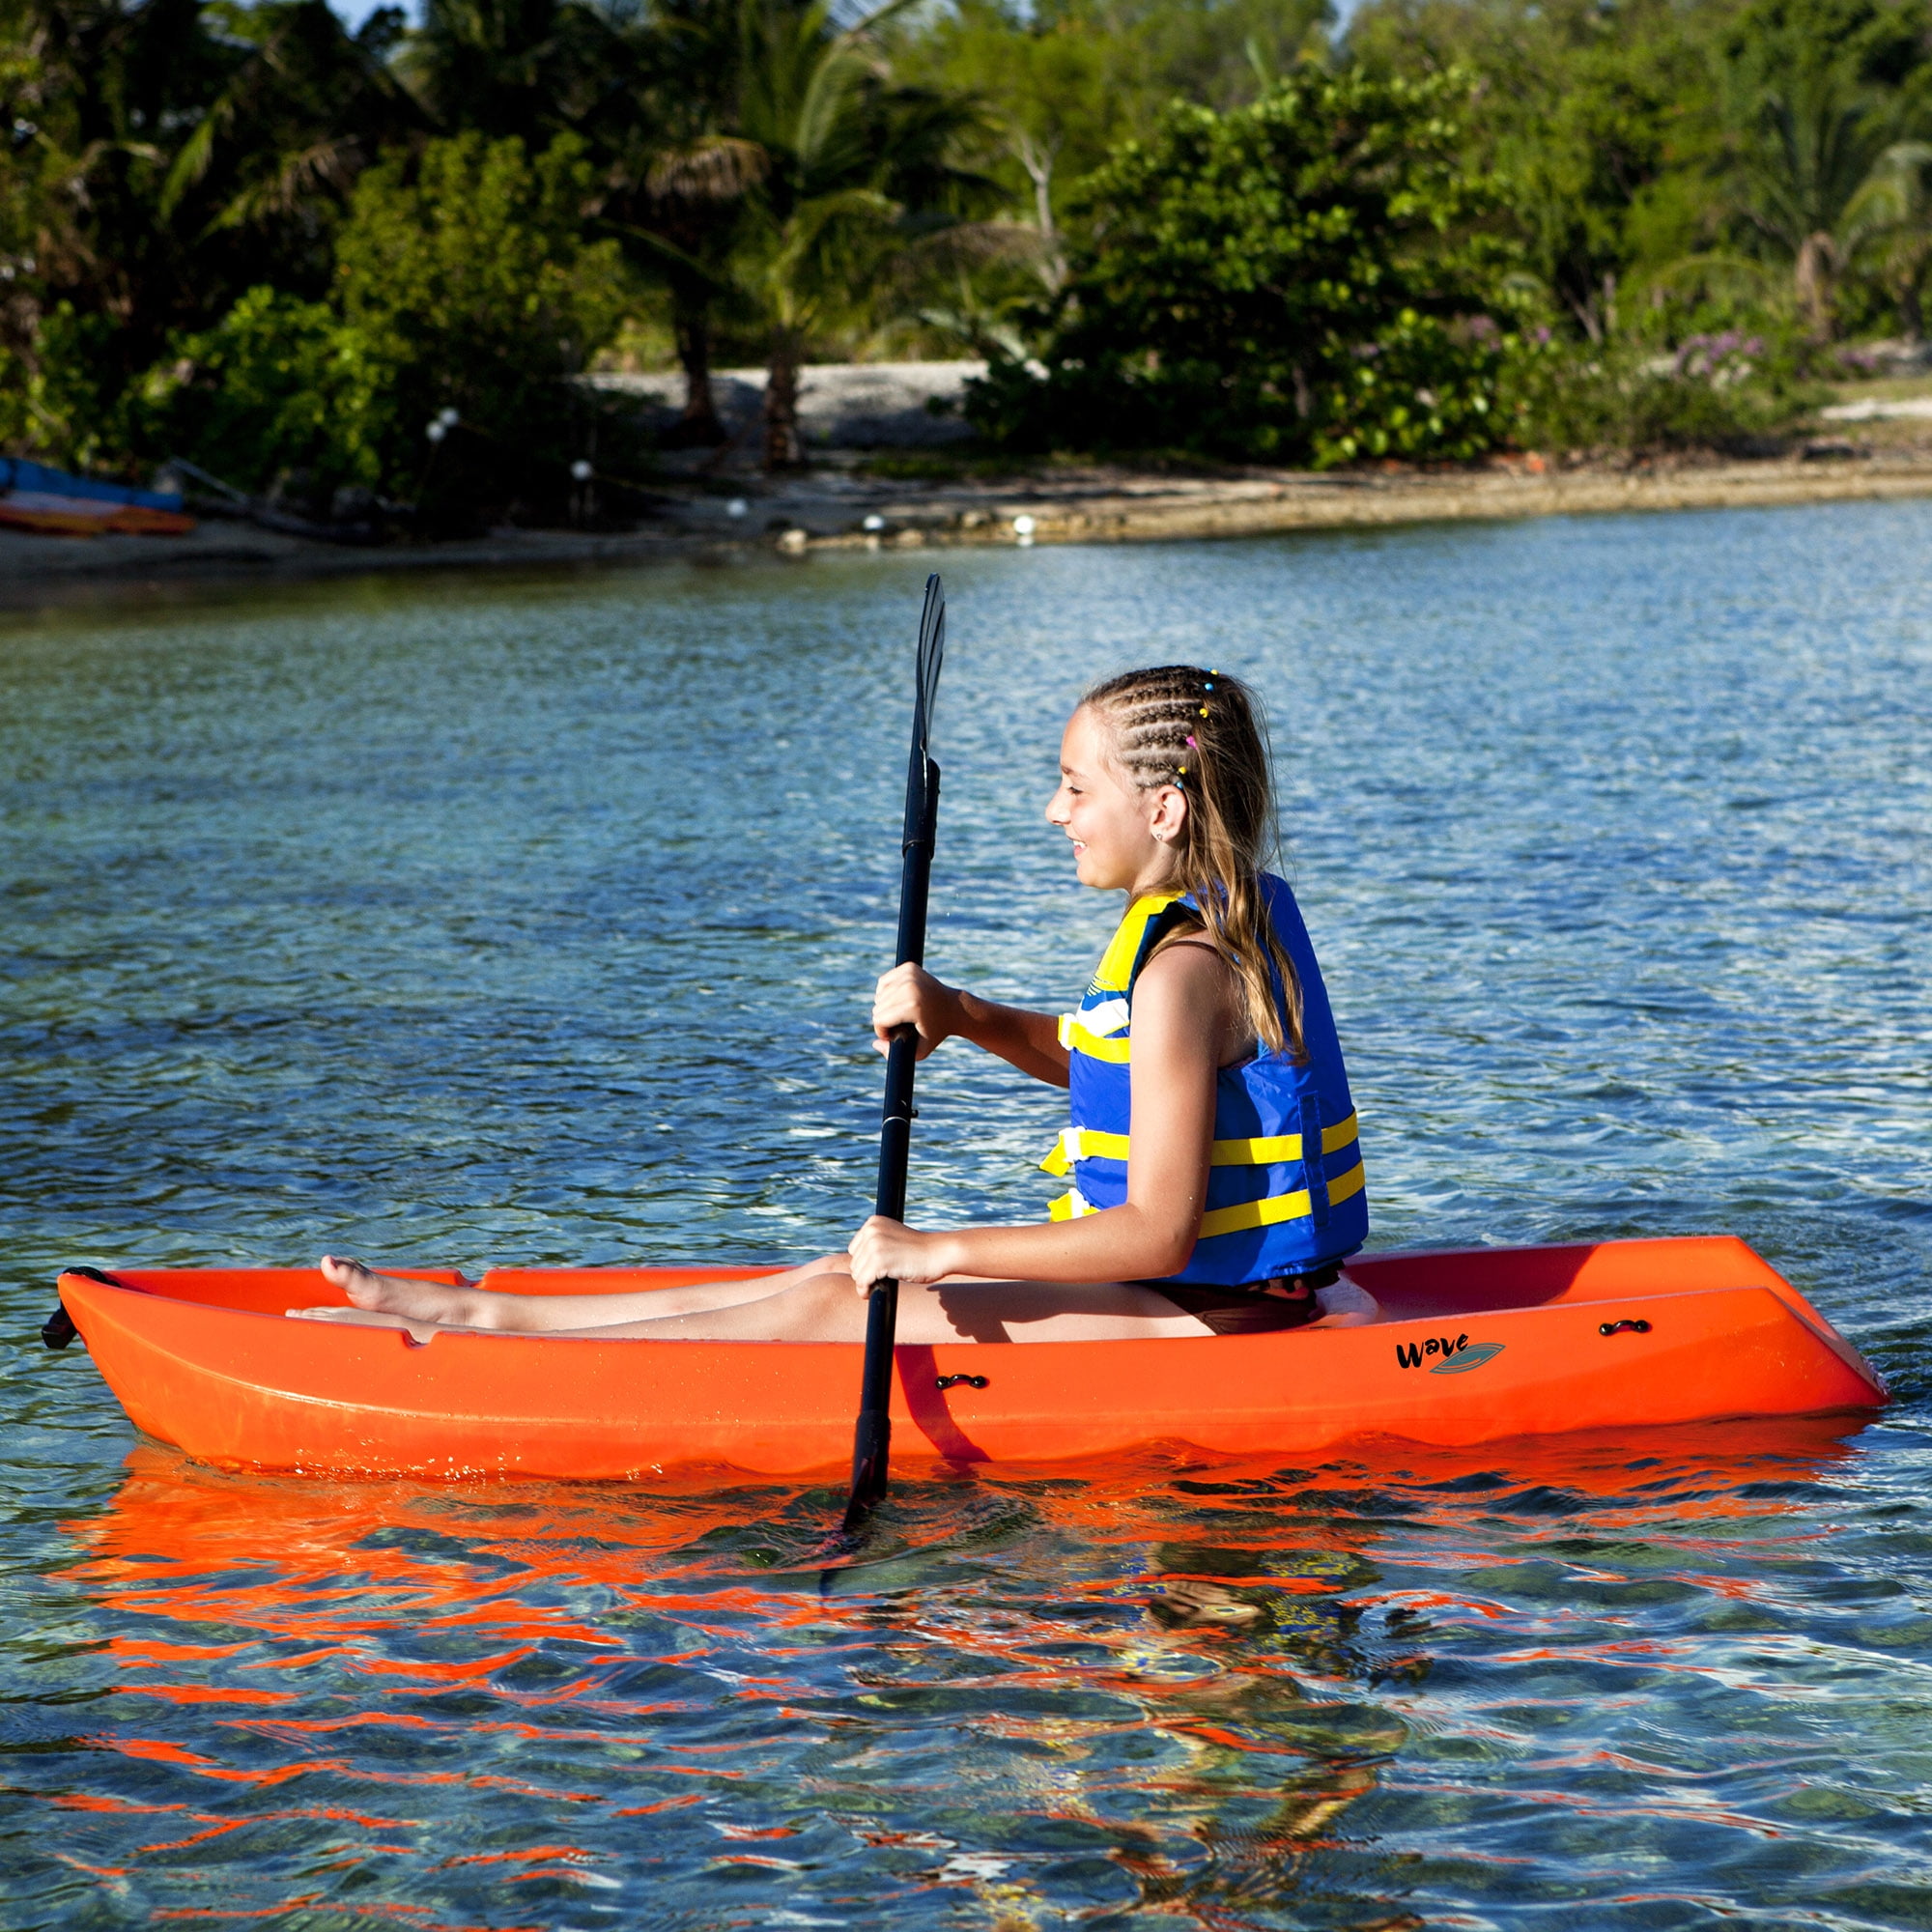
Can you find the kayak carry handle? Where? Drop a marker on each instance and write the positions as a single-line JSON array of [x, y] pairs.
[[58, 1329], [945, 1383], [1618, 1327]]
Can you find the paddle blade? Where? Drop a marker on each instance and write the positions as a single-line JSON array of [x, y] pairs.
[[931, 655]]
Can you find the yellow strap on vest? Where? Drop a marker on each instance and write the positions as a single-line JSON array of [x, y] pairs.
[[1075, 1039], [1266, 1149], [1276, 1208], [1236, 1220], [1261, 1150], [1117, 963], [1113, 976]]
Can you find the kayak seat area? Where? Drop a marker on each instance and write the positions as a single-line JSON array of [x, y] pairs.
[[1425, 1286], [1401, 1286]]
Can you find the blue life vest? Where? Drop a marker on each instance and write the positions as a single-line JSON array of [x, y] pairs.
[[1286, 1192]]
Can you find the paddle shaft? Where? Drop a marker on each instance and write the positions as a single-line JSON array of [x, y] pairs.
[[873, 1439]]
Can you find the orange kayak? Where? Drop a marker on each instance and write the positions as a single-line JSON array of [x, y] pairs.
[[1467, 1346]]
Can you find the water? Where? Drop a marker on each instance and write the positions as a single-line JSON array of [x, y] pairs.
[[510, 922]]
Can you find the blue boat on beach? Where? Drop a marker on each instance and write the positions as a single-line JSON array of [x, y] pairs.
[[36, 498]]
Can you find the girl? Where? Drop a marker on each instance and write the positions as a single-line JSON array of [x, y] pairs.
[[1217, 1183]]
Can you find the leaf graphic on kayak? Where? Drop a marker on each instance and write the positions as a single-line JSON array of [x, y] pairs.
[[1466, 1359]]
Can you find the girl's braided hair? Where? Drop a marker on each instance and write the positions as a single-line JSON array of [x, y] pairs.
[[1178, 725]]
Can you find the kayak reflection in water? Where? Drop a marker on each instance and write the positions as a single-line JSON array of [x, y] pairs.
[[1270, 1767], [1217, 1178]]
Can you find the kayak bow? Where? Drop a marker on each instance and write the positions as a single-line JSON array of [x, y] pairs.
[[1468, 1346]]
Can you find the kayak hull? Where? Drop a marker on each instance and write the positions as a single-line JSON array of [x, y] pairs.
[[1468, 1347]]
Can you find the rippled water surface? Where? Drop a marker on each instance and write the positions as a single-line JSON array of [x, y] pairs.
[[503, 922]]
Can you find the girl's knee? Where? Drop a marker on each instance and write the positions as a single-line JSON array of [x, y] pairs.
[[833, 1290], [822, 1305]]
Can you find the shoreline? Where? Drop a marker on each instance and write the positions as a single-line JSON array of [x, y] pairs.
[[829, 509]]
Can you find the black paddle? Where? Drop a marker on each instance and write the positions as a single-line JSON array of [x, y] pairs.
[[873, 1439]]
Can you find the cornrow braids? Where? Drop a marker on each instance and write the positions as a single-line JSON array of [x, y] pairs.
[[1178, 725]]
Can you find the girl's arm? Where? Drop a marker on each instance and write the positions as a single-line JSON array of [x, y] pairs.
[[1186, 1026], [910, 996]]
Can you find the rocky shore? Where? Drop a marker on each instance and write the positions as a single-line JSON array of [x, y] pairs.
[[841, 507]]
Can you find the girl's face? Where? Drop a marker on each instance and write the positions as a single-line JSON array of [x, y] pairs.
[[1123, 837]]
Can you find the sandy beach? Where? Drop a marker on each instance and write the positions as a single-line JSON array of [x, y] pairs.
[[842, 507]]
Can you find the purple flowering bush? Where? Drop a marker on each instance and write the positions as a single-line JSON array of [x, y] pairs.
[[1728, 390]]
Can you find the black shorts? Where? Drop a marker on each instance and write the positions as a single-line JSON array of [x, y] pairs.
[[1254, 1308]]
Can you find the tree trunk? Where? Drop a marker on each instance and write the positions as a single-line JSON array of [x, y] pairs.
[[1811, 284], [698, 427], [1039, 165], [1911, 287], [783, 449]]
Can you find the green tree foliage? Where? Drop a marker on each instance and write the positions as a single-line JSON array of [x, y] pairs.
[[1590, 120], [524, 68], [1310, 276], [470, 277], [676, 181], [852, 175], [1819, 140], [164, 156], [277, 388], [1059, 85], [807, 187], [465, 293], [239, 228]]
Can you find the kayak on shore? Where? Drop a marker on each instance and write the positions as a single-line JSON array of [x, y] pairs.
[[1464, 1346], [53, 502]]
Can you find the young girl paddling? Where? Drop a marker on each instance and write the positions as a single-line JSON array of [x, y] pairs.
[[1217, 1180]]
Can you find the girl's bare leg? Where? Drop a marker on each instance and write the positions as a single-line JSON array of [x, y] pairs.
[[820, 1304], [385, 1299]]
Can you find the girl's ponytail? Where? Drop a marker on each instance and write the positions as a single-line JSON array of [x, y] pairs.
[[1181, 726]]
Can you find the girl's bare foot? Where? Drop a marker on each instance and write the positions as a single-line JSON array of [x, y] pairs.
[[362, 1318], [391, 1297]]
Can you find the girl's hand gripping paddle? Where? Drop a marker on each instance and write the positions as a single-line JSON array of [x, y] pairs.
[[873, 1439]]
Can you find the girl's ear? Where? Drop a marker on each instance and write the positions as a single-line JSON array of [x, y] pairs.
[[1169, 819]]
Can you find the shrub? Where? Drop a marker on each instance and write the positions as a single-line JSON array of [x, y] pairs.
[[1721, 391], [1308, 279], [62, 405], [463, 284], [276, 386], [466, 284]]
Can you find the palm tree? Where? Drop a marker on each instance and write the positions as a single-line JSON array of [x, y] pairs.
[[1896, 215], [308, 104], [773, 166], [676, 181], [1814, 169], [531, 69], [166, 156], [857, 182]]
